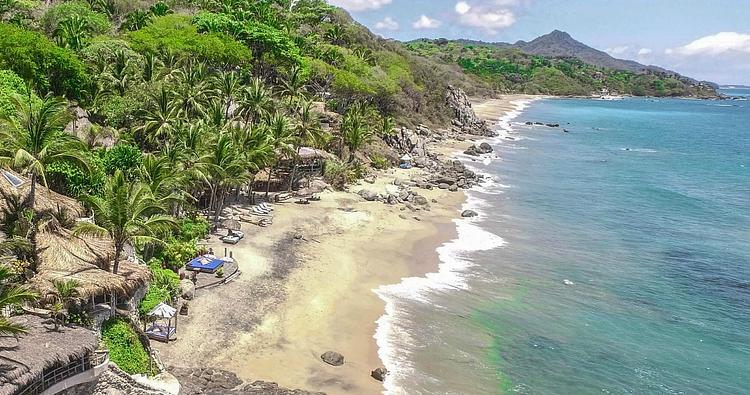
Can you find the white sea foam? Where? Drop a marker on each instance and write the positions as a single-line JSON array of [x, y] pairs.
[[395, 341]]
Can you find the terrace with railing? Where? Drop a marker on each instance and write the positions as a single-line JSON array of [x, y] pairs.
[[81, 370]]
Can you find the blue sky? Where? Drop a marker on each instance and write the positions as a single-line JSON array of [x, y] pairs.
[[704, 39]]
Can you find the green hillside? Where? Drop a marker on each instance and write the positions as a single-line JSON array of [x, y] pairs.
[[512, 70]]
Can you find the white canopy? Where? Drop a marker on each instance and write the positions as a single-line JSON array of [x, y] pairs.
[[406, 157], [163, 310]]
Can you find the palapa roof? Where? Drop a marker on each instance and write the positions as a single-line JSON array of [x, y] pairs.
[[80, 258], [308, 153], [24, 359], [46, 199], [162, 310]]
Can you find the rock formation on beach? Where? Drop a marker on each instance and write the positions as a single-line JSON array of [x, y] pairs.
[[465, 119]]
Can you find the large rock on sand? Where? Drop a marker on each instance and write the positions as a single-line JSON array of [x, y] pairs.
[[369, 195], [469, 213], [379, 374], [332, 358], [187, 289]]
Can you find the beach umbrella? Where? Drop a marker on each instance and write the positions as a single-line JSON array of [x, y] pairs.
[[231, 224]]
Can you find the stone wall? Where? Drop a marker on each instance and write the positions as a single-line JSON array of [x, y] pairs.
[[113, 382]]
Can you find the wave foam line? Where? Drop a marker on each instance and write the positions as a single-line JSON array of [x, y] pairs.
[[395, 342]]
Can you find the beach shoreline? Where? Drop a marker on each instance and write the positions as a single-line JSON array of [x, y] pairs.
[[308, 283]]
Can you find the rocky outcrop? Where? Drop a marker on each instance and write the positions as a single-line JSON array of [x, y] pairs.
[[408, 141], [482, 149], [207, 381], [469, 214], [332, 358], [187, 289], [379, 374], [465, 120]]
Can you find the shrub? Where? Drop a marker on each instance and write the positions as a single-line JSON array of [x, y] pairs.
[[73, 180], [175, 33], [124, 157], [177, 253], [125, 348], [153, 297], [164, 278], [11, 85], [379, 162], [38, 60], [193, 229], [96, 23], [337, 173]]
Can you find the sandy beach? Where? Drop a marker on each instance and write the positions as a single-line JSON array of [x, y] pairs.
[[307, 284]]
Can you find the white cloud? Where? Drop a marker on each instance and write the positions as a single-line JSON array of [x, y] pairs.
[[645, 51], [425, 22], [387, 24], [360, 5], [717, 44], [490, 16], [462, 7], [617, 50]]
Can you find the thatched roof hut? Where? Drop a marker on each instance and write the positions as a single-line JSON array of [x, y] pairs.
[[24, 359], [81, 258], [15, 184]]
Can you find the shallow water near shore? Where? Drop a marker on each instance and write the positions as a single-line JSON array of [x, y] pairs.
[[644, 206]]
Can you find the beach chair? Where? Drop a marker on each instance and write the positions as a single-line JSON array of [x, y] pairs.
[[265, 206], [261, 209], [257, 211]]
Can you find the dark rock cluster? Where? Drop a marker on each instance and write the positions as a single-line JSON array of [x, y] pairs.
[[465, 120], [208, 381]]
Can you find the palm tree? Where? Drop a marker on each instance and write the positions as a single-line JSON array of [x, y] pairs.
[[192, 90], [127, 213], [136, 20], [72, 32], [306, 129], [356, 131], [280, 138], [335, 35], [227, 85], [120, 72], [222, 168], [294, 84], [64, 293], [256, 101], [151, 66], [161, 117], [33, 140], [160, 9], [11, 294]]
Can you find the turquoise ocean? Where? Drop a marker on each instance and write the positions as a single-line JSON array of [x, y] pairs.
[[614, 258]]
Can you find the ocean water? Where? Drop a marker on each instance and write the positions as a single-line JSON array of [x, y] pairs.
[[614, 259]]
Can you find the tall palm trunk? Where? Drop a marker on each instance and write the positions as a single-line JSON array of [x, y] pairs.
[[219, 205], [34, 224], [119, 246], [294, 168], [270, 177], [210, 203]]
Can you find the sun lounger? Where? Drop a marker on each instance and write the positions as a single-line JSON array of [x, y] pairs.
[[258, 211], [261, 209], [230, 239], [160, 332], [303, 201], [266, 206]]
